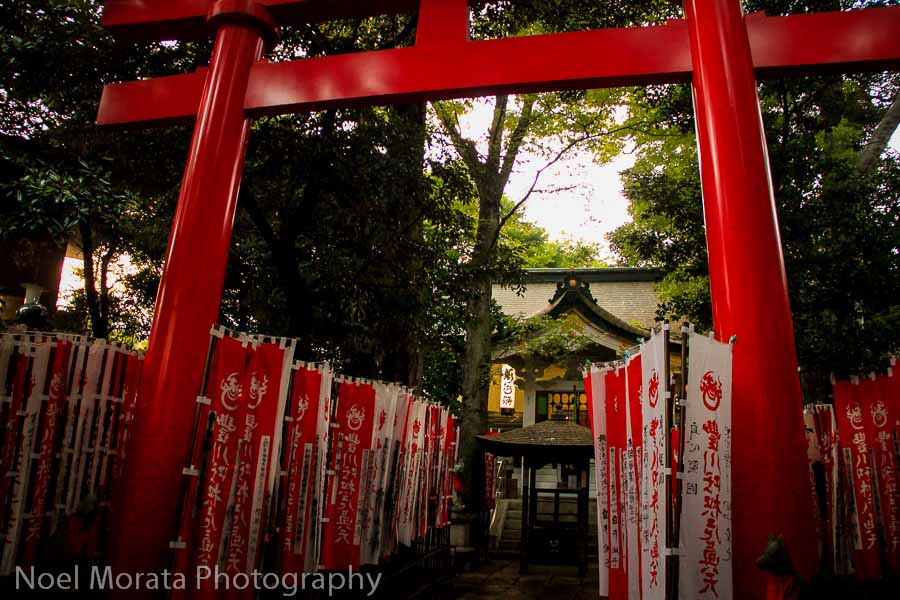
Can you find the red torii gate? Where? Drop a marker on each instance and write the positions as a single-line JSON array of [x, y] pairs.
[[716, 48]]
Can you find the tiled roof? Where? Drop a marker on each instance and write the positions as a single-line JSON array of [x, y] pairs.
[[552, 433], [628, 294]]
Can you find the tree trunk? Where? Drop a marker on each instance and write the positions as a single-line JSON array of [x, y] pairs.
[[105, 260], [490, 174], [99, 326], [405, 356], [871, 152], [477, 358]]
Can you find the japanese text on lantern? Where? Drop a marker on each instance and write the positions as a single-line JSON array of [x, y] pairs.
[[507, 388], [709, 563]]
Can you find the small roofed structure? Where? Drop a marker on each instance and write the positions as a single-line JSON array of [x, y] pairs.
[[558, 440]]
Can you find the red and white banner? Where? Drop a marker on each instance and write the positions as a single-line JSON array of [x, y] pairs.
[[855, 446], [879, 420], [825, 434], [414, 441], [84, 425], [227, 377], [397, 478], [595, 390], [131, 383], [705, 565], [7, 350], [260, 430], [616, 438], [306, 408], [351, 455], [19, 392], [387, 398], [40, 354], [632, 474], [323, 436], [449, 465], [653, 474], [54, 407]]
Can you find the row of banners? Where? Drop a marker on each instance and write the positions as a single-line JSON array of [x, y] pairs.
[[336, 472], [633, 463], [66, 406], [854, 447], [292, 467]]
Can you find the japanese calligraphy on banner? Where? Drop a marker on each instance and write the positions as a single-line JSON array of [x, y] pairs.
[[225, 393], [631, 475], [855, 445], [825, 439], [22, 471], [878, 418], [396, 477], [507, 388], [412, 473], [387, 397], [449, 464], [300, 449], [54, 407], [351, 455], [616, 436], [705, 566], [653, 477], [595, 390], [54, 390], [84, 425], [323, 433], [133, 368], [256, 426]]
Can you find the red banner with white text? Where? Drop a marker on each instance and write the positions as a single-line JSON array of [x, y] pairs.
[[351, 454], [855, 445]]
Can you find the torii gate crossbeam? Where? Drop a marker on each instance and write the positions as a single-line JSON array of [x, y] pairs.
[[716, 47]]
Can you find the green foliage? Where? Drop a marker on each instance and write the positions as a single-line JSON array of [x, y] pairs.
[[532, 246], [551, 339], [839, 227], [47, 199]]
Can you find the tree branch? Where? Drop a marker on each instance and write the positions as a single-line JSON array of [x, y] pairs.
[[517, 138], [565, 149], [407, 29], [247, 201], [495, 133], [871, 152], [465, 148]]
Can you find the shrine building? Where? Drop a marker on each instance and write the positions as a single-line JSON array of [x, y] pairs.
[[598, 313]]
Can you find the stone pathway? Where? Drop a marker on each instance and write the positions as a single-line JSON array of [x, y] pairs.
[[500, 580]]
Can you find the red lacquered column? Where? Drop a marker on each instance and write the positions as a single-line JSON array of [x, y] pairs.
[[749, 296], [189, 294]]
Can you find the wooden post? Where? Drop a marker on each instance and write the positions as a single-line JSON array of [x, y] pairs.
[[527, 477], [583, 520]]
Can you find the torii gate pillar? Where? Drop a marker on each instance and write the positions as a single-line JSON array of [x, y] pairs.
[[190, 290], [749, 297]]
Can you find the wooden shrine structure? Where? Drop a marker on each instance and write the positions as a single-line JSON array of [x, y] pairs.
[[559, 440]]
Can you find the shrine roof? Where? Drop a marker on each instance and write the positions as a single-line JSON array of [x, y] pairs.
[[560, 438]]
